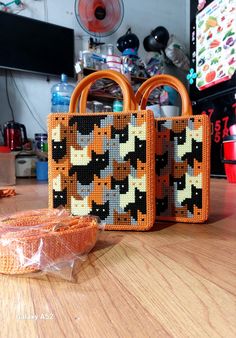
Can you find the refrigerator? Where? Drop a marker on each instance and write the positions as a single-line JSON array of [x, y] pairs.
[[213, 59]]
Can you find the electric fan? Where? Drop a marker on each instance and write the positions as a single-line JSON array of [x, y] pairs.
[[99, 18]]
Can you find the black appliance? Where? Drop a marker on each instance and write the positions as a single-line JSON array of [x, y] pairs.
[[212, 56], [35, 46], [14, 135]]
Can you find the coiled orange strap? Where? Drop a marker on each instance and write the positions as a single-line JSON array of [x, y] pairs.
[[35, 240]]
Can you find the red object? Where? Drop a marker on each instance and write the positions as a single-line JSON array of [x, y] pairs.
[[99, 16], [229, 160], [215, 43], [14, 135], [210, 76], [4, 149]]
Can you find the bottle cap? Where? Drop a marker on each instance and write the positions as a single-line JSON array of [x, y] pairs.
[[63, 78]]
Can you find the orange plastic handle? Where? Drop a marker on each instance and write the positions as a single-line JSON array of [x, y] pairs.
[[90, 79], [84, 96], [149, 85]]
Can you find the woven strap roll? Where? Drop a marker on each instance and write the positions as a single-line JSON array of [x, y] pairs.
[[32, 241]]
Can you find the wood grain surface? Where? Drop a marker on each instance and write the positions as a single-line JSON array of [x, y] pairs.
[[177, 280]]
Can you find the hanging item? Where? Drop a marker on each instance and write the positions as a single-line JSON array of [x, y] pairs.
[[128, 41], [157, 40], [99, 17], [128, 45], [160, 41]]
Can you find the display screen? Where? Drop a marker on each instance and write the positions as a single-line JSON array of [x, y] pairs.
[[35, 46]]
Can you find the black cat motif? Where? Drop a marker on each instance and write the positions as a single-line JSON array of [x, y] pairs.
[[85, 124], [196, 153], [160, 125], [138, 153], [180, 182], [123, 185], [58, 149], [161, 162], [123, 134], [139, 204], [161, 205], [100, 210], [59, 198], [85, 173], [195, 199], [181, 137]]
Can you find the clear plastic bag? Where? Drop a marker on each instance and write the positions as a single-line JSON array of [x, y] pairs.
[[45, 241], [176, 52]]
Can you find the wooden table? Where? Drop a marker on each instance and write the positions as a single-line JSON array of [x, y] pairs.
[[177, 280]]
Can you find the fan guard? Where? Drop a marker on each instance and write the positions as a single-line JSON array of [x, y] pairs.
[[99, 17]]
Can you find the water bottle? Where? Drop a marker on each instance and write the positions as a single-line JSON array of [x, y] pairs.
[[61, 94], [117, 106]]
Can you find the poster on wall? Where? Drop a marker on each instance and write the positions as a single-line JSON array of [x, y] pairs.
[[215, 43]]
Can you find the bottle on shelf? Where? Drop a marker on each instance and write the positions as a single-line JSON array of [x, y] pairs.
[[60, 96], [117, 105]]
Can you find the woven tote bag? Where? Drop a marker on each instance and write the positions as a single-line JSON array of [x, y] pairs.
[[182, 158], [103, 164]]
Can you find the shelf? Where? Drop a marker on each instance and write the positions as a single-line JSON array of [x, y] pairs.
[[87, 71], [106, 96]]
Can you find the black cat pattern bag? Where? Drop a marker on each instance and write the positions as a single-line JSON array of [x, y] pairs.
[[182, 158], [103, 164]]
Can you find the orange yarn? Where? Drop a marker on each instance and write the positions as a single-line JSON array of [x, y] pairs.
[[33, 240]]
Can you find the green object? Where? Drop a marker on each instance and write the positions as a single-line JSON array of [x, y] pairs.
[[231, 71], [228, 34], [17, 2], [214, 61], [200, 83], [201, 50], [45, 147], [117, 106], [199, 74]]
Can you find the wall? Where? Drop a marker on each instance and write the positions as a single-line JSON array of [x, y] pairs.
[[141, 16]]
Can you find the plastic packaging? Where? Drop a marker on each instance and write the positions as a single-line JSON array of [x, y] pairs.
[[7, 167], [45, 241], [87, 59], [176, 52], [61, 94], [97, 106]]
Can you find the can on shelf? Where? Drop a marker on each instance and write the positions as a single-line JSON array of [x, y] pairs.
[[41, 141], [107, 108], [97, 106]]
